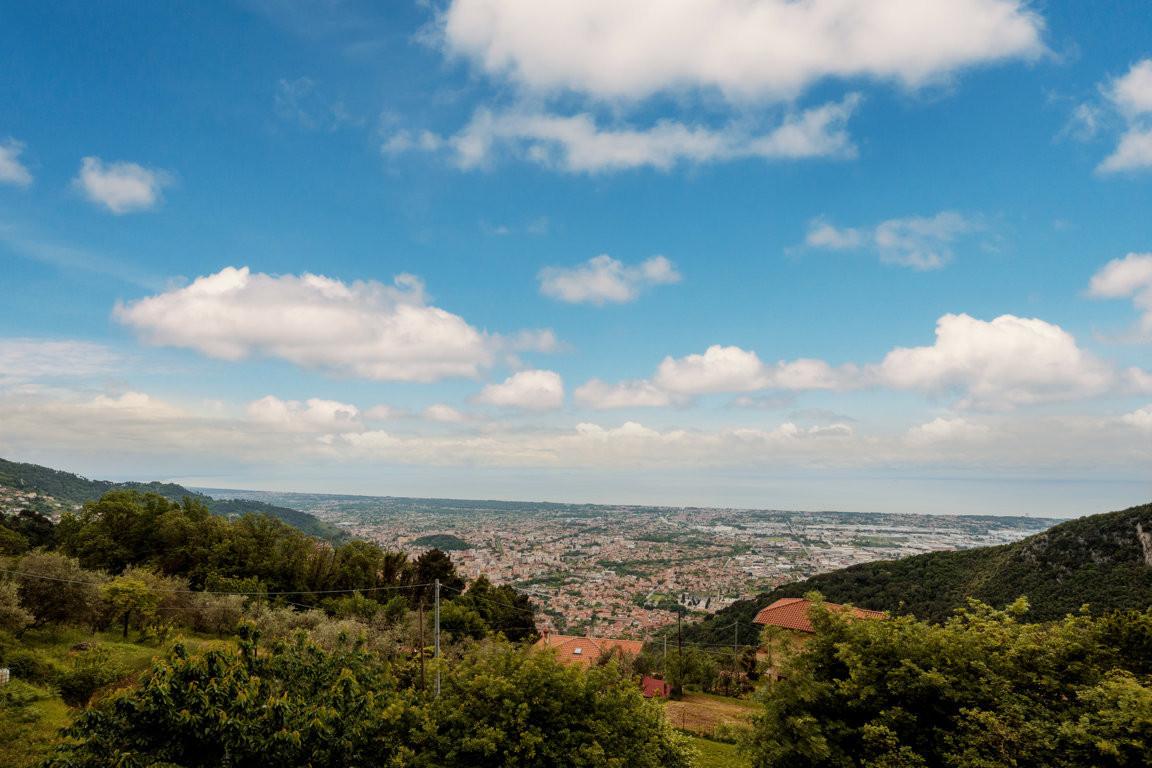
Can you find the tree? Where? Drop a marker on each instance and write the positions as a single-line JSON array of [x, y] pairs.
[[293, 705], [130, 596], [297, 704], [983, 689], [429, 567], [56, 589], [509, 707], [13, 617]]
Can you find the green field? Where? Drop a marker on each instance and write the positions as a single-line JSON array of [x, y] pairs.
[[713, 754]]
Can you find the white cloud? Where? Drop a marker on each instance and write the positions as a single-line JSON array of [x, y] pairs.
[[312, 415], [1141, 418], [999, 363], [364, 328], [601, 395], [718, 369], [1132, 93], [603, 279], [945, 430], [444, 413], [121, 187], [529, 390], [578, 144], [770, 49], [919, 242], [1131, 96], [12, 171], [1130, 276], [25, 359], [732, 369], [382, 413]]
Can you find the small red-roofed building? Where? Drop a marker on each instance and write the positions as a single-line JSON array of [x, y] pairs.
[[792, 613], [655, 688], [787, 627], [586, 651]]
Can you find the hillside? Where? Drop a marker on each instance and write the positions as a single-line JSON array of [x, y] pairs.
[[1103, 560], [70, 490]]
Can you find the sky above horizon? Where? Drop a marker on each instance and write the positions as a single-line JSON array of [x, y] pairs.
[[829, 254]]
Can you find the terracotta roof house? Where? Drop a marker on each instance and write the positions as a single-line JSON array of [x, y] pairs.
[[586, 651], [792, 613]]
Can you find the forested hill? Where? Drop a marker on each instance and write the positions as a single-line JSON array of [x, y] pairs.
[[1104, 561], [72, 489]]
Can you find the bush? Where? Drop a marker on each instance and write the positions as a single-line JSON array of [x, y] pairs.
[[91, 670], [31, 666]]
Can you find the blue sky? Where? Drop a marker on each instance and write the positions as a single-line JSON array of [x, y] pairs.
[[831, 254]]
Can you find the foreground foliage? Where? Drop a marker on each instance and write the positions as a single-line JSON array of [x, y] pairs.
[[297, 704], [983, 689]]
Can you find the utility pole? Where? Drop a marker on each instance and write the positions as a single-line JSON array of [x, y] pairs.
[[664, 667], [421, 622], [679, 656], [437, 638]]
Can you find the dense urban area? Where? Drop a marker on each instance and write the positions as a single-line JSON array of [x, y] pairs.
[[620, 571]]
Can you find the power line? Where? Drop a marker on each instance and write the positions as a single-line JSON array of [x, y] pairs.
[[43, 577]]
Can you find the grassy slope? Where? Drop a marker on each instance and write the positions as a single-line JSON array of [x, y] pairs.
[[74, 489], [714, 754], [1095, 560], [27, 743]]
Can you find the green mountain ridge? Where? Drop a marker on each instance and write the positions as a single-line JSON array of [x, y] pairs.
[[1103, 561], [73, 489]]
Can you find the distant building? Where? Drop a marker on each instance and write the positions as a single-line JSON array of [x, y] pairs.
[[792, 613], [789, 615], [655, 688], [586, 651]]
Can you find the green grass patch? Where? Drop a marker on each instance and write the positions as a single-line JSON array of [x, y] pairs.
[[713, 754]]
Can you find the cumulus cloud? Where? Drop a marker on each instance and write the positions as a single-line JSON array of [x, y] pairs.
[[121, 187], [1130, 95], [732, 369], [1141, 418], [363, 328], [767, 50], [918, 242], [603, 279], [528, 390], [579, 144], [600, 395], [999, 363], [948, 430], [12, 171], [312, 415], [1128, 277]]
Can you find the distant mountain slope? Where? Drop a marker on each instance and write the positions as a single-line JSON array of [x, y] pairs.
[[73, 489], [1104, 561]]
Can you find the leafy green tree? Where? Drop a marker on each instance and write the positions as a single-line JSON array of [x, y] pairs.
[[983, 689], [129, 596], [296, 704], [429, 567], [57, 590], [13, 617], [506, 707], [502, 608], [293, 706]]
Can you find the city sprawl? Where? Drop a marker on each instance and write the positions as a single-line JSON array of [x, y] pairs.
[[621, 570]]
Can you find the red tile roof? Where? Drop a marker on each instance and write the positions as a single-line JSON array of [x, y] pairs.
[[587, 650], [792, 613]]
